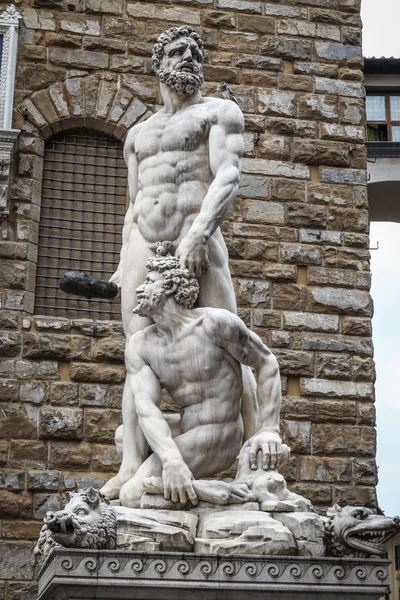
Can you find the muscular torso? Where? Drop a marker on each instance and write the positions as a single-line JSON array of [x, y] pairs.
[[173, 170], [203, 378]]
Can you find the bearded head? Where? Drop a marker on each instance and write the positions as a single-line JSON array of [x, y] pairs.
[[178, 59]]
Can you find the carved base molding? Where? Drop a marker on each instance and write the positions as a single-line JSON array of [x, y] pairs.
[[70, 574]]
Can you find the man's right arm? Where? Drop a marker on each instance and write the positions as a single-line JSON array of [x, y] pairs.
[[131, 163]]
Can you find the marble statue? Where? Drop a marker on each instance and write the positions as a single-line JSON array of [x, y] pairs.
[[87, 521], [196, 355], [183, 174]]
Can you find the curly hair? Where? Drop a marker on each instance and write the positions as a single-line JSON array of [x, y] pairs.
[[164, 262], [169, 36]]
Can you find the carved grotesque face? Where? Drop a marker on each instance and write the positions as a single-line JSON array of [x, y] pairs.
[[182, 66], [150, 294]]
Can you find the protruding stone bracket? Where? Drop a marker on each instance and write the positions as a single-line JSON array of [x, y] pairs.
[[9, 24], [113, 574]]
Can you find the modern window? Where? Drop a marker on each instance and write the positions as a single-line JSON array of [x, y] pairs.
[[383, 117], [82, 215]]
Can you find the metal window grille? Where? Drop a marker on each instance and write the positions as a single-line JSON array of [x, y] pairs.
[[82, 214]]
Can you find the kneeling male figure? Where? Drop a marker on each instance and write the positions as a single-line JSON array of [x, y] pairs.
[[196, 355]]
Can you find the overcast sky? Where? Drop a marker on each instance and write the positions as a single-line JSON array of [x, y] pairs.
[[381, 20]]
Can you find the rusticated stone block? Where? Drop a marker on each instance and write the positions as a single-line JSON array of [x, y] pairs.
[[356, 326], [97, 373], [21, 591], [4, 444], [21, 530], [256, 249], [253, 293], [347, 219], [287, 48], [64, 394], [34, 392], [363, 369], [70, 455], [40, 369], [61, 423], [105, 458], [320, 107], [315, 236], [277, 272], [9, 319], [104, 6], [300, 254], [10, 343], [75, 481], [339, 87], [80, 24], [80, 348], [18, 422], [43, 481], [367, 413], [295, 363], [322, 152], [348, 176], [93, 395], [354, 496], [266, 318], [284, 189], [58, 324], [349, 133], [323, 276], [276, 103], [318, 494], [336, 389], [253, 186], [340, 439], [47, 346], [338, 53], [333, 366], [9, 390], [347, 258], [16, 561], [288, 297], [275, 125], [320, 411], [15, 505], [365, 471], [324, 342], [13, 481], [28, 454], [45, 502], [82, 59], [310, 322], [315, 468], [100, 425], [300, 215], [297, 435], [351, 110], [341, 300]]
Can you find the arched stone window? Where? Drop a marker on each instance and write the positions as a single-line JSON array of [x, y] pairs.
[[82, 214]]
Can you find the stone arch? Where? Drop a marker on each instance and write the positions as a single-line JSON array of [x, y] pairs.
[[94, 101]]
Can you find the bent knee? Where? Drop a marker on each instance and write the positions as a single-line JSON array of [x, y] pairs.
[[129, 495]]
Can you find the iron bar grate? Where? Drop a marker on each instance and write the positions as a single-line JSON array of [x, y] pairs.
[[82, 214]]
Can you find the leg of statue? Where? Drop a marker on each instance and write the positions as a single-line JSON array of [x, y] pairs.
[[134, 445], [206, 450], [216, 290]]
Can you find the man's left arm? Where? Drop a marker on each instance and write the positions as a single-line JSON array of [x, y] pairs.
[[226, 146], [248, 349]]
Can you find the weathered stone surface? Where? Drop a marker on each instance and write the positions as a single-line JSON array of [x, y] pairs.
[[18, 422], [321, 152], [337, 52], [343, 439], [105, 458], [70, 455], [314, 236], [244, 532], [308, 531], [13, 481], [313, 106], [310, 322], [287, 48], [333, 366], [349, 133], [9, 390], [21, 591], [343, 300], [46, 346], [363, 369], [45, 502], [84, 59], [339, 87], [28, 454], [336, 389], [297, 435], [325, 342], [170, 530], [253, 293], [295, 363], [299, 215], [253, 186], [97, 373], [100, 425], [300, 254], [10, 343], [34, 392], [365, 471], [61, 423], [284, 189], [16, 561], [64, 394], [320, 411], [360, 496], [274, 102], [43, 481], [104, 6], [264, 212], [322, 276], [30, 369], [356, 326]]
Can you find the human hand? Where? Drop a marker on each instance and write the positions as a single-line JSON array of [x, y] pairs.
[[177, 482], [193, 255], [117, 277], [270, 445]]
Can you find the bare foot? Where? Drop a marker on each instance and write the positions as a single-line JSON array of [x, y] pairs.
[[220, 492], [112, 488]]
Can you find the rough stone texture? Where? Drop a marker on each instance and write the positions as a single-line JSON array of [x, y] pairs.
[[298, 237]]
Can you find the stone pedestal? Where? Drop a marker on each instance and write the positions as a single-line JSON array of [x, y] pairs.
[[70, 574]]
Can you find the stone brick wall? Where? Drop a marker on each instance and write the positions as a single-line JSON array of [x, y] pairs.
[[298, 241]]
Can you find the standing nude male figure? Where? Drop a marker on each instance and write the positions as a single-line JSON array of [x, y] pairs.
[[183, 173]]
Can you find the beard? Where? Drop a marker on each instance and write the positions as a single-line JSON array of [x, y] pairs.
[[147, 304], [181, 82]]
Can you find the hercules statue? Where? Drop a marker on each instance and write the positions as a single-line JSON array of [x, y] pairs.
[[183, 173]]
